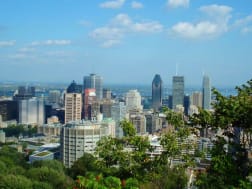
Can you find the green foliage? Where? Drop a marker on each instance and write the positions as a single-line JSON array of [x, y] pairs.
[[16, 173], [203, 120], [174, 118], [132, 183], [15, 182], [83, 165], [45, 174], [41, 185], [99, 182], [52, 164], [17, 130], [230, 166], [112, 182], [128, 128]]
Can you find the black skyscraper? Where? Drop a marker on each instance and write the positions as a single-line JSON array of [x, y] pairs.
[[157, 89], [74, 88]]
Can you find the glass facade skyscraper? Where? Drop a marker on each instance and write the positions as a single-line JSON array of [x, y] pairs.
[[94, 81], [157, 89], [177, 91], [206, 91]]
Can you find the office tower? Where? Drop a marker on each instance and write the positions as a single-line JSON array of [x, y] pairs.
[[206, 91], [74, 88], [91, 105], [157, 89], [9, 110], [133, 100], [73, 107], [94, 81], [106, 93], [31, 111], [78, 138], [196, 99], [54, 97], [118, 113], [177, 91]]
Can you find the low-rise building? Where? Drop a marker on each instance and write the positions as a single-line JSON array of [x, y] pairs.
[[40, 156]]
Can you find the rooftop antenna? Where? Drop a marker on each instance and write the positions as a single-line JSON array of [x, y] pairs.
[[177, 69]]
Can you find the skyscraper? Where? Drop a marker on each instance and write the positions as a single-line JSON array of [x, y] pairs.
[[74, 88], [177, 91], [94, 81], [157, 89], [73, 106], [206, 91]]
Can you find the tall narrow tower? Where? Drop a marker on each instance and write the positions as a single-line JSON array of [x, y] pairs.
[[94, 81], [157, 89], [73, 106], [177, 91], [206, 91]]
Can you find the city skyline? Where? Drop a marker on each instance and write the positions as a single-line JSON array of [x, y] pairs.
[[126, 41]]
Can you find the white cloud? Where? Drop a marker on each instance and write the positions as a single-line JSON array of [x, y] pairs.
[[136, 5], [51, 42], [148, 27], [246, 30], [243, 21], [110, 43], [107, 33], [18, 56], [59, 54], [216, 23], [7, 43], [116, 4], [219, 12], [26, 49], [119, 26], [194, 31], [178, 3], [244, 24]]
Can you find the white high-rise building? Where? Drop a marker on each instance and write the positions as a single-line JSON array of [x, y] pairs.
[[80, 137], [31, 111], [133, 100], [73, 106]]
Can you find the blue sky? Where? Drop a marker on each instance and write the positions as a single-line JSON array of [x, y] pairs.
[[126, 41]]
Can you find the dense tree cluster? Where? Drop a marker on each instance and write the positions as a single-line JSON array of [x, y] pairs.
[[16, 173], [230, 166]]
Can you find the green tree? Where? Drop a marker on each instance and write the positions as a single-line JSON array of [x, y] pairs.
[[202, 120], [230, 166], [15, 182], [83, 165], [51, 176]]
